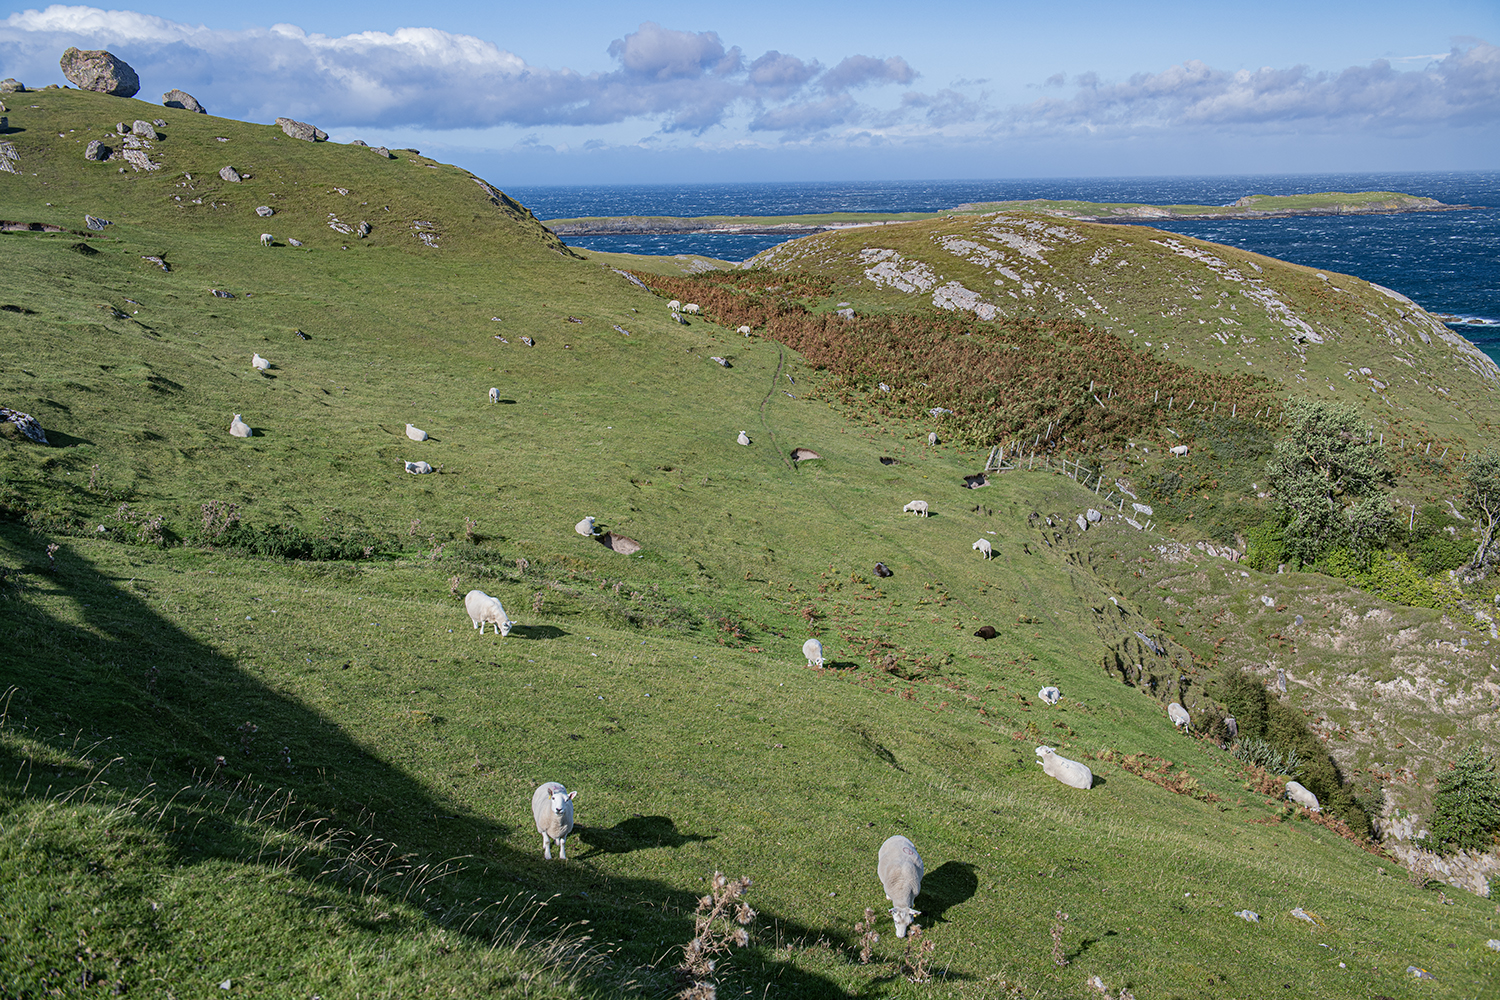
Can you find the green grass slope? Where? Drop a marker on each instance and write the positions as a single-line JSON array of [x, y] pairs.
[[306, 776]]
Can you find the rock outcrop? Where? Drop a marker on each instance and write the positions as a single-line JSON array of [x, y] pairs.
[[101, 71], [301, 130], [25, 423], [10, 85], [182, 99], [229, 174]]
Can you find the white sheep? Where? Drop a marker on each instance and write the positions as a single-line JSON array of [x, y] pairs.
[[743, 438], [1298, 793], [1069, 772], [585, 527], [266, 239], [1179, 716], [745, 330], [674, 305], [691, 307], [483, 609], [1180, 450], [813, 650], [1049, 694], [418, 468], [415, 433], [494, 395], [238, 428], [900, 871], [983, 545], [259, 363], [917, 507], [932, 438], [552, 808]]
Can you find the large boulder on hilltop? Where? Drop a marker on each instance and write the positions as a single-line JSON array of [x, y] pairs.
[[301, 130], [182, 99], [101, 71], [10, 85]]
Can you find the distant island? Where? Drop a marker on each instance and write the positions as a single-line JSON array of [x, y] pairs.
[[1255, 206]]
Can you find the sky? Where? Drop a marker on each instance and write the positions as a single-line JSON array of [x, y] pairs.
[[591, 92]]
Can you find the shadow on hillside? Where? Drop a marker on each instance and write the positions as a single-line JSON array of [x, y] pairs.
[[949, 886], [180, 714], [537, 632], [634, 834]]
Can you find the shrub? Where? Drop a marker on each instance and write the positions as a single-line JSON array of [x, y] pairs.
[[1261, 754], [1466, 809]]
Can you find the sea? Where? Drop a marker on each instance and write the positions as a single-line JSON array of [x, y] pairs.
[[1447, 262]]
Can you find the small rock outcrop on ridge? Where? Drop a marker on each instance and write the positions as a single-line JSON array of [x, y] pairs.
[[96, 151], [182, 99], [10, 85], [101, 71], [301, 130]]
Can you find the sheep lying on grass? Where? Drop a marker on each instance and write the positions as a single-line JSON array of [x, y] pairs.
[[1179, 716], [585, 527], [1069, 772], [418, 468], [900, 870], [415, 433], [983, 545], [813, 650], [917, 507], [552, 808], [1298, 793], [743, 438], [259, 363], [1049, 694], [238, 428], [484, 609]]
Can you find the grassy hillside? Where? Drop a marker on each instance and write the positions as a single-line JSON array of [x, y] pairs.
[[305, 775]]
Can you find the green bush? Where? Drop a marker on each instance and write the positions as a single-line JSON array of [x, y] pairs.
[[1267, 543], [1466, 809], [287, 541]]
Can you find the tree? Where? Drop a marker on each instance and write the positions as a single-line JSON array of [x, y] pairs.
[[1481, 496], [1323, 467], [1466, 808]]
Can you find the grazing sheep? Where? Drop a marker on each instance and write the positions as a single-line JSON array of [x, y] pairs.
[[552, 808], [494, 395], [674, 305], [585, 527], [986, 632], [259, 363], [1180, 450], [1179, 716], [1298, 793], [983, 545], [917, 507], [745, 330], [813, 650], [483, 608], [266, 239], [238, 428], [743, 438], [932, 437], [415, 433], [882, 570], [418, 468], [1069, 772], [691, 307], [1049, 694], [900, 870]]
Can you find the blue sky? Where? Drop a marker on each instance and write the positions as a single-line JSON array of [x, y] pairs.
[[591, 92]]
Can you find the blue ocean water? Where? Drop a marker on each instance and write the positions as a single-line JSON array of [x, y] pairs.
[[1448, 262]]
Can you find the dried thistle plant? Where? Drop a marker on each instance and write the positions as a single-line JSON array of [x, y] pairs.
[[94, 478], [453, 584], [1057, 933], [437, 552], [523, 564], [52, 557], [868, 936], [415, 524], [719, 924], [537, 600], [919, 949], [469, 525], [218, 517]]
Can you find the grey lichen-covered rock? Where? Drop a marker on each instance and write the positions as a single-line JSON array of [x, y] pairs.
[[143, 129], [100, 71], [229, 174], [383, 152], [364, 229], [301, 130], [10, 85], [294, 243], [121, 128], [182, 99], [25, 423], [358, 142], [97, 225], [265, 211], [138, 159]]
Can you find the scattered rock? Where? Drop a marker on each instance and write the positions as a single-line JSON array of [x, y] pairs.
[[383, 152], [301, 130], [528, 341], [1249, 916], [804, 454], [302, 336], [987, 632], [845, 313], [265, 211], [1302, 914], [157, 261], [97, 225], [1492, 944], [11, 85], [99, 71], [1419, 973], [182, 99], [121, 128], [97, 151], [339, 226], [25, 423], [229, 174], [144, 129], [358, 142], [9, 158], [363, 229], [883, 571], [159, 122], [221, 294], [293, 243], [722, 362], [138, 159]]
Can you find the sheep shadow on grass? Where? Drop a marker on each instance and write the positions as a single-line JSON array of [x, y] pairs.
[[537, 632], [634, 834], [946, 887]]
